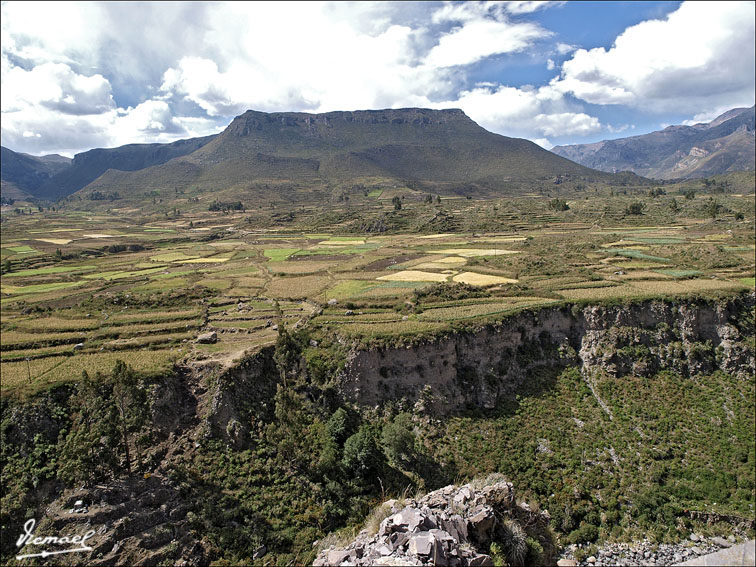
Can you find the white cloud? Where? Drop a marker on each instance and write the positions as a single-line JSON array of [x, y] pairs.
[[525, 112], [86, 74], [699, 56], [528, 6], [55, 86], [618, 129], [478, 39]]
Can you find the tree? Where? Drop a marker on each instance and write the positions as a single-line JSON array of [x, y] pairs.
[[558, 204], [397, 203], [89, 448], [338, 426], [361, 453], [713, 208], [635, 208], [131, 403], [398, 440]]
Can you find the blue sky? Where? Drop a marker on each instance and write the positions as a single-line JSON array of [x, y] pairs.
[[78, 75]]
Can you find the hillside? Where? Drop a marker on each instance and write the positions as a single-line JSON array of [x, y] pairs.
[[723, 145], [88, 166], [22, 175], [439, 149]]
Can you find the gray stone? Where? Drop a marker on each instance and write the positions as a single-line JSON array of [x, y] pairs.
[[736, 556], [260, 552], [481, 521], [207, 338], [591, 560], [421, 544], [564, 562], [337, 556], [694, 537], [721, 542], [398, 539], [481, 561]]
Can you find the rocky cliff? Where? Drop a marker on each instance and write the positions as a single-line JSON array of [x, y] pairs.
[[478, 368]]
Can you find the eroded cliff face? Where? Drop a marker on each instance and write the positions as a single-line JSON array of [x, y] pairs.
[[478, 368]]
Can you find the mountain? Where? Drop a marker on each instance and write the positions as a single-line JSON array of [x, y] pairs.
[[88, 166], [22, 175], [442, 149], [723, 145]]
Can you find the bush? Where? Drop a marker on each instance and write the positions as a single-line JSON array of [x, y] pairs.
[[361, 453], [398, 440], [636, 208]]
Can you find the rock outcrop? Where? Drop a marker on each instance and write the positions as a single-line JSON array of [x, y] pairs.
[[452, 526], [478, 368]]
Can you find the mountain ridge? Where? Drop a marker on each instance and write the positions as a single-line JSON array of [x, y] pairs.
[[723, 145], [442, 150]]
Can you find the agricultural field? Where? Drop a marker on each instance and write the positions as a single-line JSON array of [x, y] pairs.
[[75, 295]]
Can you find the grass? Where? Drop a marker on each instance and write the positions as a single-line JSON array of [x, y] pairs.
[[637, 254], [348, 288], [679, 273], [279, 254], [473, 278], [48, 270], [54, 371], [414, 276], [39, 288]]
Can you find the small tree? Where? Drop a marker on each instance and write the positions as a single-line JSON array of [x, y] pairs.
[[397, 203], [636, 208], [361, 453], [398, 440], [131, 403], [558, 204]]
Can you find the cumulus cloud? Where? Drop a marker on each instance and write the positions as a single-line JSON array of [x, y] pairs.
[[478, 39], [525, 112], [699, 56], [528, 6], [86, 74], [57, 87]]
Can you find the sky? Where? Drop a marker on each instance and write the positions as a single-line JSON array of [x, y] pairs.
[[80, 75]]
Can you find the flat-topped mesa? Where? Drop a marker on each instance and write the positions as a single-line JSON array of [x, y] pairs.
[[253, 120]]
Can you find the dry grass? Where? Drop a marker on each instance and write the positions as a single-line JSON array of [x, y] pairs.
[[299, 267], [472, 252], [297, 287], [414, 276], [473, 278]]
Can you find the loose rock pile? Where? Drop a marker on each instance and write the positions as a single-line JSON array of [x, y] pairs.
[[453, 527], [647, 553]]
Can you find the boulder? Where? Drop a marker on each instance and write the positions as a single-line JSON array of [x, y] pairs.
[[207, 338]]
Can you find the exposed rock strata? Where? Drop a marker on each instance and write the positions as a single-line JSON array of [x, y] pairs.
[[478, 369]]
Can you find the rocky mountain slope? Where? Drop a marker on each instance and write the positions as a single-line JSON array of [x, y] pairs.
[[440, 149], [22, 175], [723, 145], [208, 422]]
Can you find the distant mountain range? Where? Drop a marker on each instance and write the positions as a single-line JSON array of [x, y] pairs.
[[23, 175], [725, 144], [442, 149]]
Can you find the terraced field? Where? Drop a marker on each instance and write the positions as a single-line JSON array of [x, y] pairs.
[[76, 296]]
